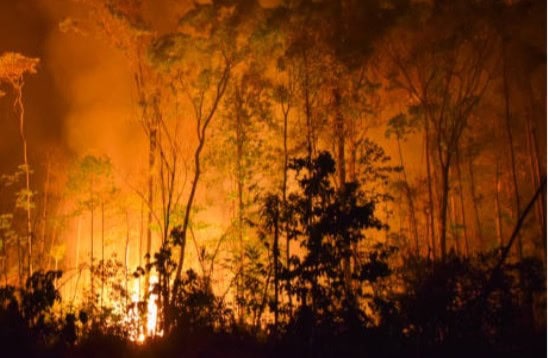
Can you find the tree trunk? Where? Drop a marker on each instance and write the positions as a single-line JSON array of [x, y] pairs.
[[5, 264], [534, 167], [202, 125], [453, 221], [497, 203], [430, 193], [443, 209], [26, 168], [475, 198], [339, 134], [308, 110], [153, 137], [285, 112], [462, 207], [44, 215], [91, 273], [102, 252], [510, 138], [240, 188], [20, 267], [77, 256], [126, 256], [141, 248], [276, 269], [410, 201], [339, 129], [190, 201]]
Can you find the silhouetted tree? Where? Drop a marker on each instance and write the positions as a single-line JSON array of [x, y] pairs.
[[326, 223]]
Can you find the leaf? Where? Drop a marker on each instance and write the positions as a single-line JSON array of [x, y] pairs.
[[13, 66]]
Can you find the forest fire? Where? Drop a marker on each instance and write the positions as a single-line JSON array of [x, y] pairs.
[[132, 319], [273, 178], [152, 313]]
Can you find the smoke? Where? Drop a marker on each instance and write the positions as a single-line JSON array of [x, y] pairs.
[[82, 101], [93, 79], [24, 28]]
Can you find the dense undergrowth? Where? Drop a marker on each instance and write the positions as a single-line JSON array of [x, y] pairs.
[[439, 309]]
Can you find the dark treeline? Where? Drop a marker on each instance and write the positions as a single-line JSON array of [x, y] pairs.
[[427, 240], [334, 298]]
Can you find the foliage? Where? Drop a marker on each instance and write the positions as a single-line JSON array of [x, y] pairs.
[[256, 276], [197, 308], [328, 225], [14, 65], [26, 314], [442, 305], [91, 181]]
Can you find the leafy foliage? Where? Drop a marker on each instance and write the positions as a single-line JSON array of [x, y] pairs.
[[14, 65], [328, 225]]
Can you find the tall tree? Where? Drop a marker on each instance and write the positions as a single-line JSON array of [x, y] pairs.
[[123, 25], [199, 58], [91, 184], [13, 67], [446, 72], [326, 222], [401, 126]]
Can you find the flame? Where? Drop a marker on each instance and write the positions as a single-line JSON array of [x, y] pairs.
[[152, 310], [139, 335]]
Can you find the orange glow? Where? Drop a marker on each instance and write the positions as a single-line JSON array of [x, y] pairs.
[[152, 312], [132, 319]]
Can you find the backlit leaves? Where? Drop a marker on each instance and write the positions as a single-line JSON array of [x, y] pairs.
[[13, 66]]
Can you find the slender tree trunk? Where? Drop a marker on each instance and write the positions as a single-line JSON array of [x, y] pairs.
[[517, 210], [430, 193], [462, 207], [453, 221], [510, 138], [353, 178], [475, 204], [102, 252], [202, 125], [162, 186], [91, 273], [240, 188], [528, 295], [20, 264], [26, 169], [126, 257], [534, 168], [190, 201], [5, 264], [497, 203], [285, 112], [151, 129], [276, 270], [308, 110], [443, 208], [141, 247], [77, 256], [153, 136], [339, 129], [506, 248], [44, 215], [341, 169], [410, 201]]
